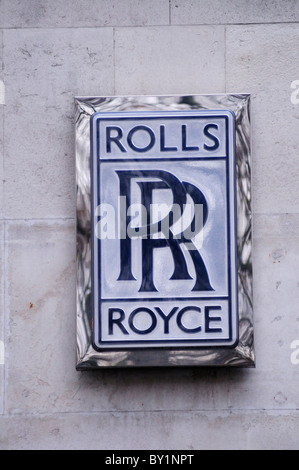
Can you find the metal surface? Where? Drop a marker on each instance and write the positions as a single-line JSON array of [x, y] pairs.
[[88, 356]]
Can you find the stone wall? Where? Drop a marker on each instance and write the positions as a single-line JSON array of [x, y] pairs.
[[53, 50]]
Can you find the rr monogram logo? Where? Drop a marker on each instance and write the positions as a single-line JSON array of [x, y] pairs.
[[149, 181]]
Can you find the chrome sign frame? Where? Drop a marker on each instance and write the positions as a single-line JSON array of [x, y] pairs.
[[126, 342]]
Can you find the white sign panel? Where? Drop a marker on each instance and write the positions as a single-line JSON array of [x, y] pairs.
[[164, 271]]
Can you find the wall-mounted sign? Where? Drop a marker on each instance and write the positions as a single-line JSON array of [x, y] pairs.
[[163, 225]]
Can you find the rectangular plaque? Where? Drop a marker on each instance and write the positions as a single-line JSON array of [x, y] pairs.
[[164, 238], [163, 225]]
